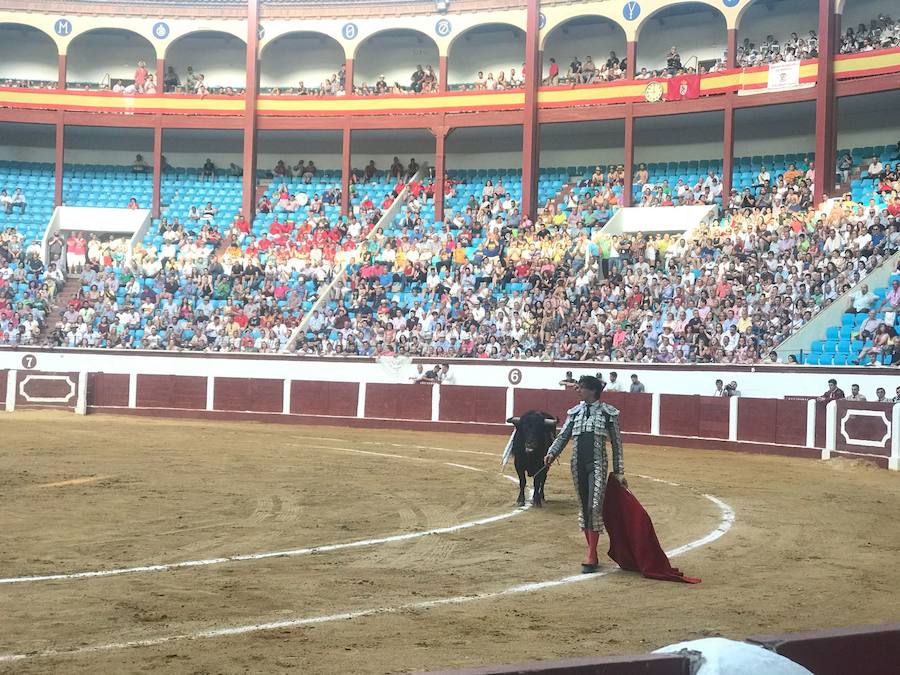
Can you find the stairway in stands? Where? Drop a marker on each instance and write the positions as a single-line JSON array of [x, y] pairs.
[[68, 291]]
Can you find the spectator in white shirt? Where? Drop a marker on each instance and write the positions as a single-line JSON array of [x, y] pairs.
[[17, 200], [854, 394], [875, 169], [861, 300], [614, 384]]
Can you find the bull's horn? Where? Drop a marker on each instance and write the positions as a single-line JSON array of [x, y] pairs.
[[513, 420], [550, 422]]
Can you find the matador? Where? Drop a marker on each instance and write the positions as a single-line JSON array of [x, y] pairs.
[[590, 423]]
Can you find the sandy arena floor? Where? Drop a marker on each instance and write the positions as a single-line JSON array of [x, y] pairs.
[[813, 545]]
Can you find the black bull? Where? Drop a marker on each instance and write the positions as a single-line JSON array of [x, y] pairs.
[[535, 431]]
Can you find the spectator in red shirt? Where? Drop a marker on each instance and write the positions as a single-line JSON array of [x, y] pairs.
[[140, 76], [552, 75], [833, 393]]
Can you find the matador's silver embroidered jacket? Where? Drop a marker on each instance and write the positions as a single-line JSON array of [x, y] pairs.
[[601, 421]]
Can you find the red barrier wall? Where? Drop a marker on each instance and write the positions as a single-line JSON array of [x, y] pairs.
[[635, 410], [253, 395], [36, 389], [324, 398], [772, 420], [399, 401], [473, 404], [555, 402], [647, 664], [686, 415], [108, 390], [868, 650], [171, 391], [755, 419], [820, 424], [3, 374], [790, 422]]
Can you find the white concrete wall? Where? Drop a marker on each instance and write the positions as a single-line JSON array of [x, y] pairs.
[[802, 381], [116, 52], [489, 49], [681, 137], [26, 53], [219, 56], [394, 56], [701, 33], [310, 57]]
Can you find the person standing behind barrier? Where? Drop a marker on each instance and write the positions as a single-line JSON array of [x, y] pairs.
[[637, 387], [614, 384], [590, 423], [833, 393]]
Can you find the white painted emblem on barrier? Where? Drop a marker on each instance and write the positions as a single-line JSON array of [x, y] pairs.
[[47, 378], [880, 414]]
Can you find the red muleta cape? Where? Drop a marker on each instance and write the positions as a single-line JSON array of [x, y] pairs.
[[632, 539]]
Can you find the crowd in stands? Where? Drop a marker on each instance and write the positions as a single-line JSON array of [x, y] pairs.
[[881, 33], [144, 82], [13, 83], [334, 85], [502, 81], [27, 288], [423, 80], [770, 50], [488, 283], [587, 71]]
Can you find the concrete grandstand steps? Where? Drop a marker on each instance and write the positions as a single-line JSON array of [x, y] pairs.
[[68, 291]]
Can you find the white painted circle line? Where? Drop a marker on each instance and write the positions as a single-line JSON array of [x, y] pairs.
[[725, 524], [326, 548]]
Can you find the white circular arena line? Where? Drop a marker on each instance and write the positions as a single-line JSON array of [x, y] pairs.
[[727, 518]]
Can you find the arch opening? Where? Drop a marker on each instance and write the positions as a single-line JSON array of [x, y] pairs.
[[100, 58], [590, 39], [696, 30], [219, 57], [320, 70], [28, 56], [385, 62], [489, 49], [770, 31]]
